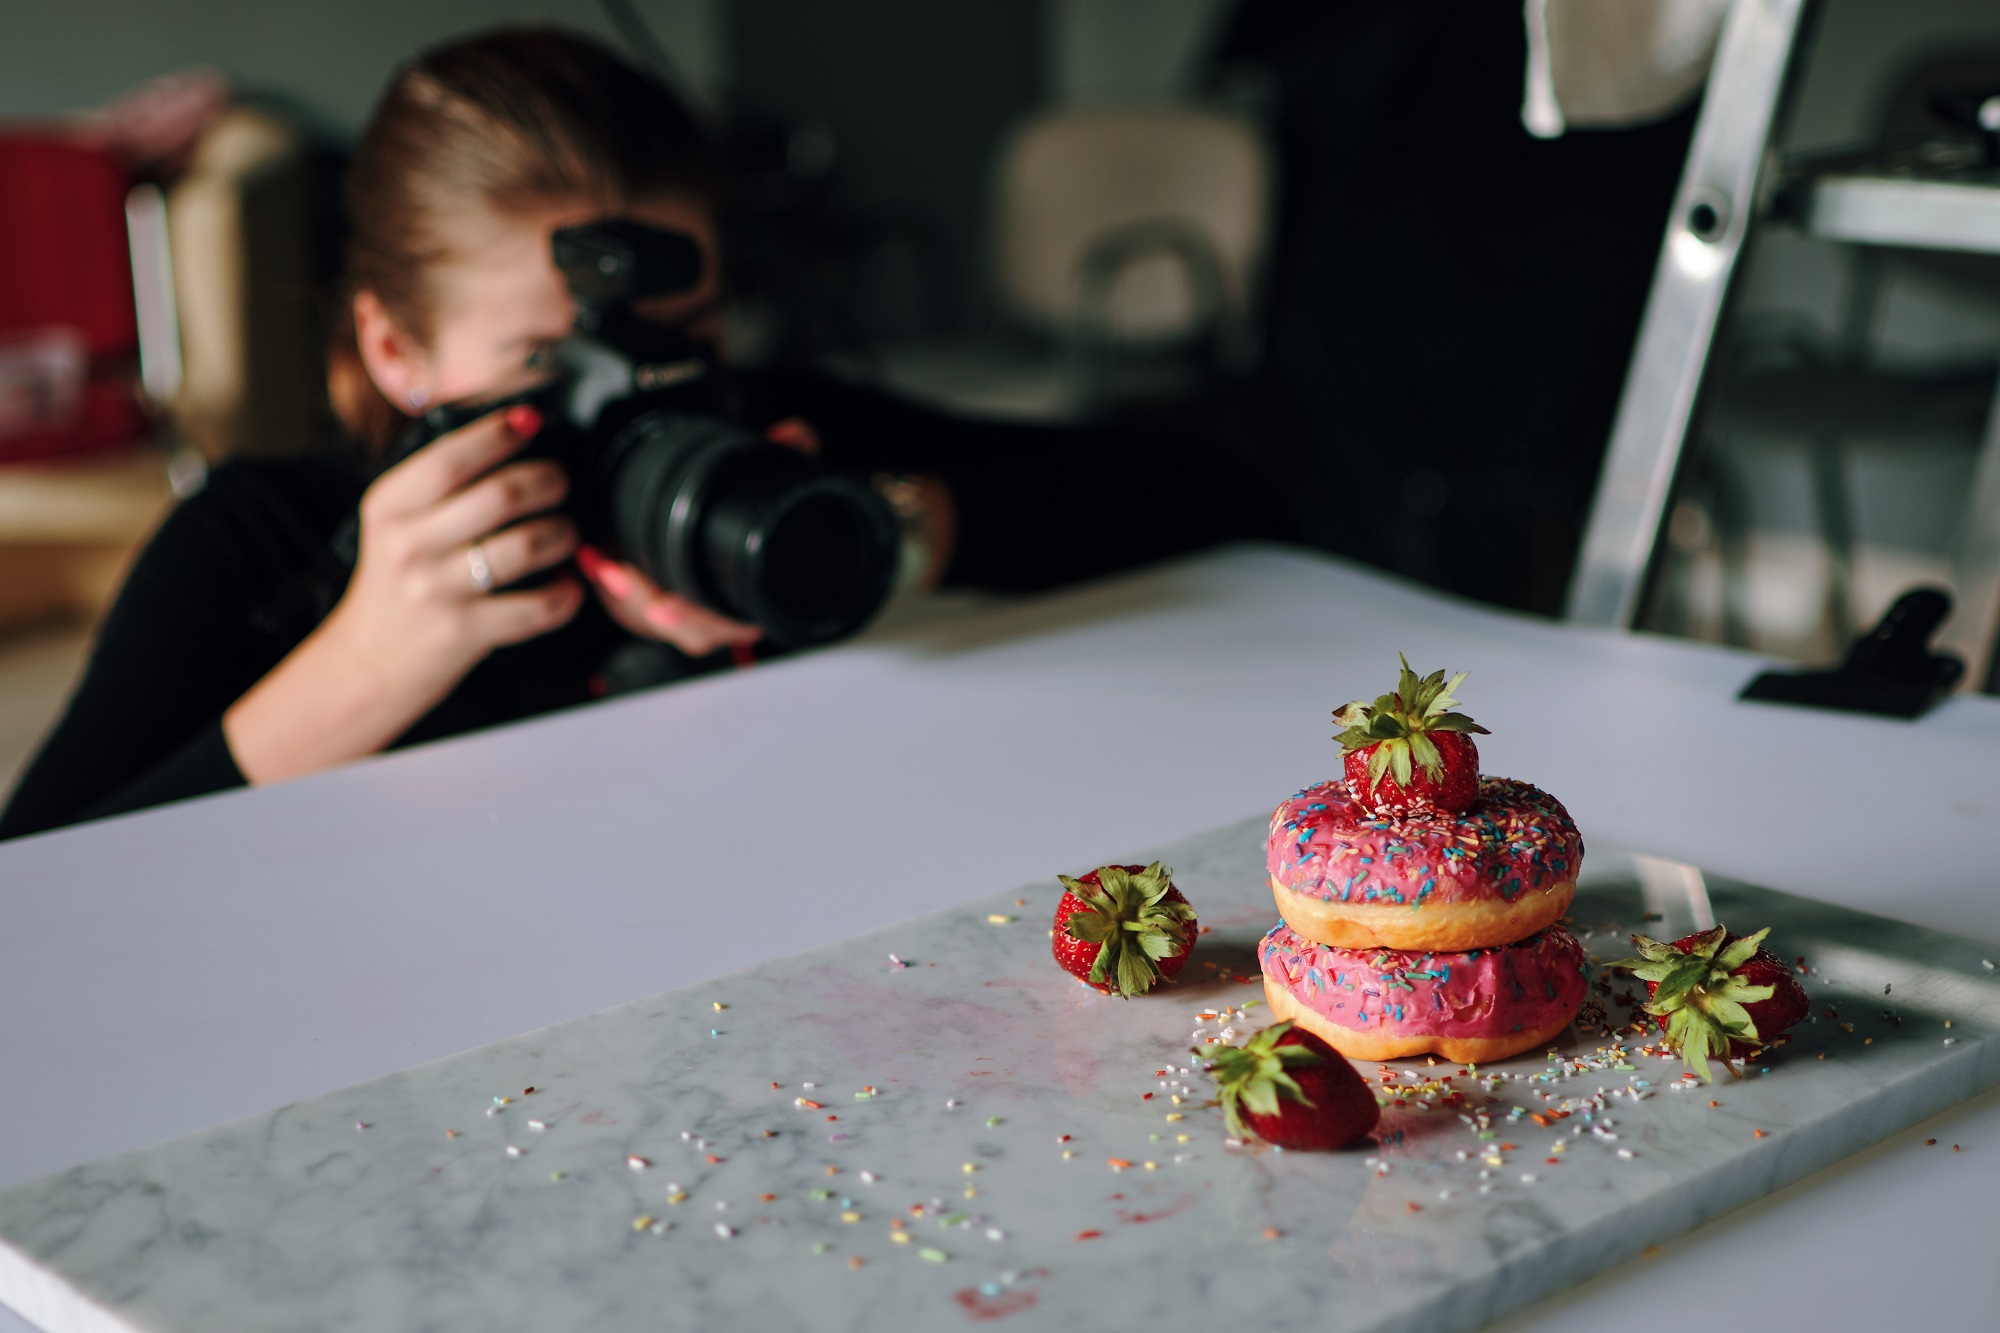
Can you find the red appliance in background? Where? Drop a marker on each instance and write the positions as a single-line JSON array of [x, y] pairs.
[[68, 329]]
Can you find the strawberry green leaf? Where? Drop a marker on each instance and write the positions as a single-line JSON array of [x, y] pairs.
[[1134, 923], [1091, 927], [1253, 1075], [1700, 994], [1739, 991], [1457, 722], [1742, 951], [1261, 1097], [1684, 977], [1425, 751], [1707, 942], [1419, 704]]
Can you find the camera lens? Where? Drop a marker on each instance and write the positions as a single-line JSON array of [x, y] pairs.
[[803, 552], [749, 528]]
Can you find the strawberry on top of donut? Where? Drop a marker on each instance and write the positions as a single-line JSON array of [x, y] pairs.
[[1292, 1089], [1717, 994], [1408, 753], [1122, 928]]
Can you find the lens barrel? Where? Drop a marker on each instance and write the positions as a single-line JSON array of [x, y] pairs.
[[751, 529]]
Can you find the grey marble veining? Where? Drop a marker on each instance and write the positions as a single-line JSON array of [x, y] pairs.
[[417, 1202]]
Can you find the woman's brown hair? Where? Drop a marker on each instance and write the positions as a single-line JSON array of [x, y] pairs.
[[493, 126]]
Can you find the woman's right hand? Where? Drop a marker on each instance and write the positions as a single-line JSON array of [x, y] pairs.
[[414, 619]]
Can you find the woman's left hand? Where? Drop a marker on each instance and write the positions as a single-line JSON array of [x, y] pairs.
[[646, 609]]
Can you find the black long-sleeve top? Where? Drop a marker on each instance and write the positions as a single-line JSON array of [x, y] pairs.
[[240, 573]]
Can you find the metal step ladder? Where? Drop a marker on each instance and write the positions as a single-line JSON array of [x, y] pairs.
[[1729, 186]]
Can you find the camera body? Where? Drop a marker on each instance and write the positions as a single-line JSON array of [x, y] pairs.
[[638, 414]]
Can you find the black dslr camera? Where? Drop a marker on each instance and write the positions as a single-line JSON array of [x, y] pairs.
[[638, 415]]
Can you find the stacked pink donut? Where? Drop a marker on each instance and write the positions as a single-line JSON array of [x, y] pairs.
[[1421, 901]]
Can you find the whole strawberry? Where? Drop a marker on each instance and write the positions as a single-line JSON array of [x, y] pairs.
[[1717, 994], [1408, 753], [1290, 1088], [1123, 928]]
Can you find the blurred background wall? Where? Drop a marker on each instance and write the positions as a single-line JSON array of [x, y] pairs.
[[833, 82]]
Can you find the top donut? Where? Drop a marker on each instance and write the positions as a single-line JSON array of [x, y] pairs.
[[1412, 848]]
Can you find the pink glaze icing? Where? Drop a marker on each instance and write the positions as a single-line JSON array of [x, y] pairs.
[[1515, 839], [1518, 987]]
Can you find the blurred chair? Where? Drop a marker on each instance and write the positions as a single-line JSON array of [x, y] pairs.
[[240, 229], [1127, 245]]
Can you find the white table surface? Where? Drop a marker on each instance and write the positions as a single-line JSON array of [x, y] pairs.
[[165, 971]]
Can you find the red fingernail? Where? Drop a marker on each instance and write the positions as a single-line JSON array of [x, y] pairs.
[[523, 420], [604, 572], [794, 433]]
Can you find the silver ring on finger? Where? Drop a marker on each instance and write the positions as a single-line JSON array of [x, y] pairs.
[[482, 573]]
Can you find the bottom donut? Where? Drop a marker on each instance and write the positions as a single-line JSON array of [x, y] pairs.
[[1388, 1004]]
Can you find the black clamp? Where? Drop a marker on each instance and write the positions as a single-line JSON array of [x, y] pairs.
[[1890, 671]]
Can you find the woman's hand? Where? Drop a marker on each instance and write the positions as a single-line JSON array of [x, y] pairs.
[[651, 612], [438, 532]]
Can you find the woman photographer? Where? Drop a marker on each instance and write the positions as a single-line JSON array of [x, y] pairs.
[[246, 648]]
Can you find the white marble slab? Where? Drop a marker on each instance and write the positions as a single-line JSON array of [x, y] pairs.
[[358, 1211]]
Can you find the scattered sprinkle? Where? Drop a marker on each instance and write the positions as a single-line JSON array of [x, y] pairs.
[[999, 919], [1088, 1235], [642, 1221], [932, 1256], [636, 1162], [512, 1151]]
